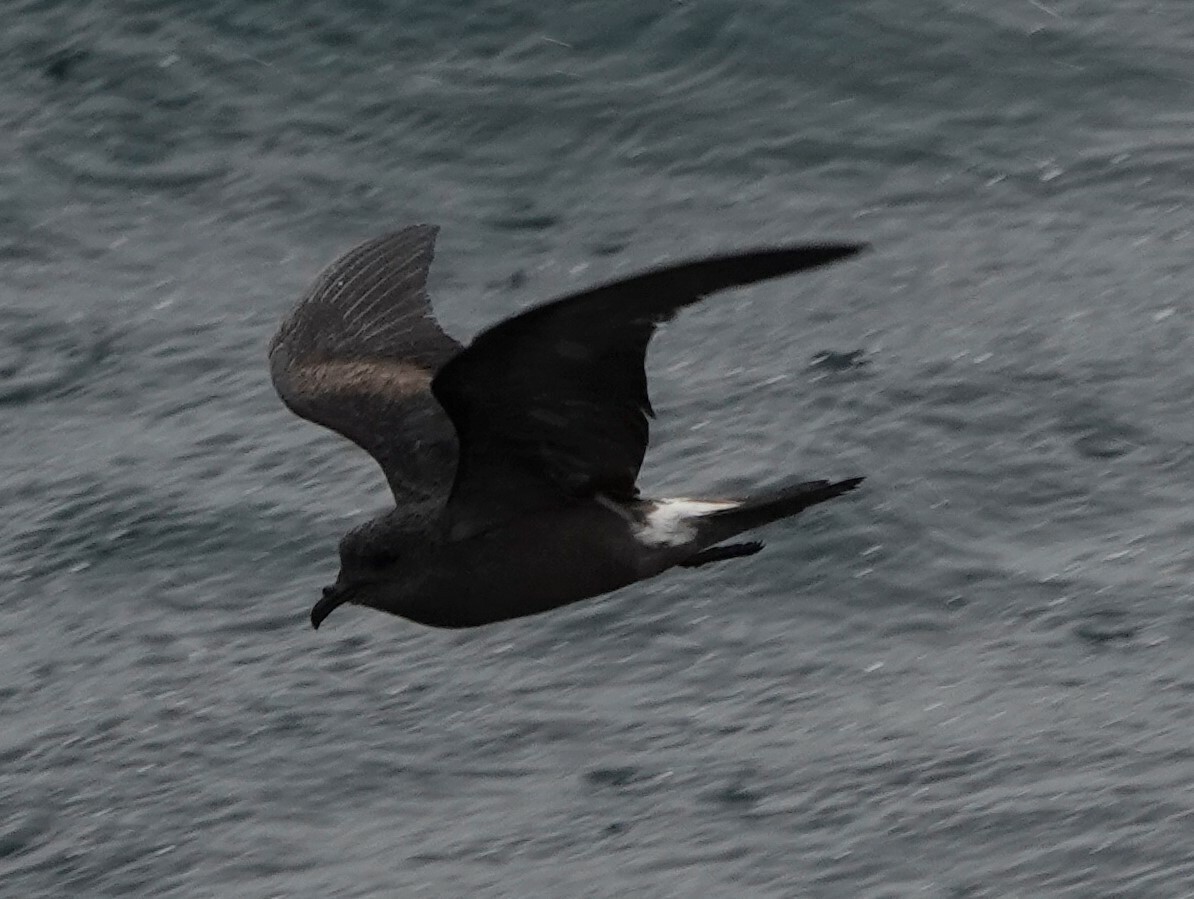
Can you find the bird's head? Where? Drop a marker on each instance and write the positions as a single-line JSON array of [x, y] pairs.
[[370, 575], [387, 590]]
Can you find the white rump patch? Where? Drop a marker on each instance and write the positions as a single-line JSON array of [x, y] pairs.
[[669, 522]]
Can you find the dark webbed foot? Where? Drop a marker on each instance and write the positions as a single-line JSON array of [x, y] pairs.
[[721, 553]]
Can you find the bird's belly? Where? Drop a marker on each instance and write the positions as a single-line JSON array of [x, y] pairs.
[[534, 565]]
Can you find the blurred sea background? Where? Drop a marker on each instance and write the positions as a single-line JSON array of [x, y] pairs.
[[972, 678]]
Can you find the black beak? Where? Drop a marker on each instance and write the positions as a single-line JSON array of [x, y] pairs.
[[332, 597]]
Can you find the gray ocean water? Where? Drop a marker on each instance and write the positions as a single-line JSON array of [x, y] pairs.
[[974, 677]]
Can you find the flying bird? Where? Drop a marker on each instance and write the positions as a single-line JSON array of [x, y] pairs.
[[513, 461]]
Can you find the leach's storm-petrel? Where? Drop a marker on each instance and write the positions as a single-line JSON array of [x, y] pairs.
[[512, 461]]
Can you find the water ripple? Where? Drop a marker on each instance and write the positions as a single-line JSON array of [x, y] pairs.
[[41, 357]]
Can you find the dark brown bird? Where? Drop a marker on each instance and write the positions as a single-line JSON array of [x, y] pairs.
[[513, 461]]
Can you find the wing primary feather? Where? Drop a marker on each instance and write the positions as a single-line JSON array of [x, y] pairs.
[[552, 404], [357, 355]]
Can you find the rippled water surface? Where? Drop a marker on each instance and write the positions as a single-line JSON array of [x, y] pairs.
[[973, 677]]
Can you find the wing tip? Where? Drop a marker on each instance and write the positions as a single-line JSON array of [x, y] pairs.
[[852, 249], [818, 254]]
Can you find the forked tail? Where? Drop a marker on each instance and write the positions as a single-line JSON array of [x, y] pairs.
[[781, 502]]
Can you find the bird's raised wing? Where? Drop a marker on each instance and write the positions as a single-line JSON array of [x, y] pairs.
[[551, 405], [358, 353]]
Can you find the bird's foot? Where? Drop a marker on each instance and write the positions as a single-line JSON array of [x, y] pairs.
[[722, 553]]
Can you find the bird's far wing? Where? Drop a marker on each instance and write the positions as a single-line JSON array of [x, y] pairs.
[[552, 404], [358, 352]]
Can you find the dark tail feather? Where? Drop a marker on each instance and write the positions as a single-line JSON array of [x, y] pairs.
[[782, 502]]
